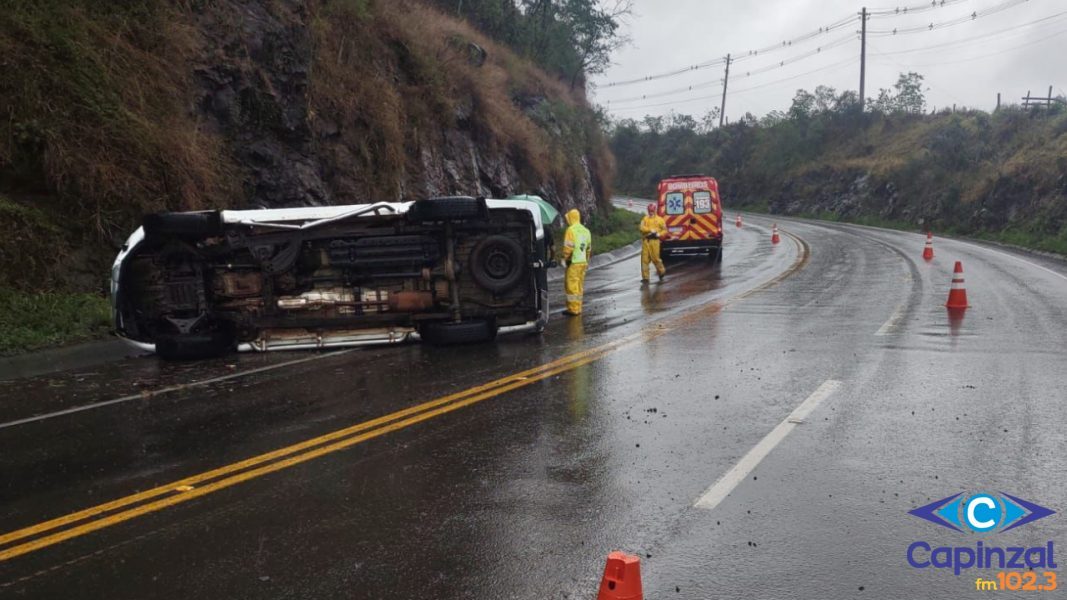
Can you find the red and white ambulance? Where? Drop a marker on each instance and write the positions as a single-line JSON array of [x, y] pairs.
[[692, 208]]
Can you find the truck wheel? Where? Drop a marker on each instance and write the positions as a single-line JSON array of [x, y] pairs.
[[448, 208], [716, 256], [192, 224], [194, 346], [445, 333], [498, 263]]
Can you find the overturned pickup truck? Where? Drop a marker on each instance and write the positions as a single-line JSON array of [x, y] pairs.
[[451, 270]]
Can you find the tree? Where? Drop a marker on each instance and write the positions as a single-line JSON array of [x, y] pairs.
[[770, 119], [825, 98], [680, 121], [653, 124], [847, 101], [910, 97], [571, 38], [594, 33], [803, 106], [709, 121]]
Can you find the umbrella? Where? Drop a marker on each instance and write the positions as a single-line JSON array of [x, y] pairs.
[[549, 213]]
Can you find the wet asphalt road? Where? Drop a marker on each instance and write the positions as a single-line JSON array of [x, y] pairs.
[[655, 393]]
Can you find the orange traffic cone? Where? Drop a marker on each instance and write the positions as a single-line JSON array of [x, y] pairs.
[[928, 251], [774, 234], [622, 578], [738, 223], [957, 296]]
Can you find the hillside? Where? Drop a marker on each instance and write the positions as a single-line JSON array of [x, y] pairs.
[[1001, 175], [117, 109]]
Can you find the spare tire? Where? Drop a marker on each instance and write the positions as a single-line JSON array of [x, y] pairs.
[[183, 224], [498, 263], [194, 346], [446, 333], [448, 208]]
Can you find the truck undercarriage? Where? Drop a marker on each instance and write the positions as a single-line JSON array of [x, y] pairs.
[[451, 269]]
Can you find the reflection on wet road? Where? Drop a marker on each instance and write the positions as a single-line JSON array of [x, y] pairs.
[[509, 470]]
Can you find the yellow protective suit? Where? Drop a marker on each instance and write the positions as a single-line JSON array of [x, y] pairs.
[[577, 248], [652, 224]]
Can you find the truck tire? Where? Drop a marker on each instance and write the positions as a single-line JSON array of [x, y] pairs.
[[192, 224], [498, 263], [445, 333], [194, 346], [448, 208]]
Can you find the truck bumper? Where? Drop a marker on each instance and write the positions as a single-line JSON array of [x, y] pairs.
[[681, 248]]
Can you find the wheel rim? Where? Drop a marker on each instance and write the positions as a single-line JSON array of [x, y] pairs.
[[499, 264]]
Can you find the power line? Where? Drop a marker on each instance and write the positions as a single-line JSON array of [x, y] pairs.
[[797, 40], [973, 58], [844, 63], [834, 44], [904, 67], [744, 75], [741, 56], [848, 62], [911, 10], [784, 44], [1003, 6], [983, 38]]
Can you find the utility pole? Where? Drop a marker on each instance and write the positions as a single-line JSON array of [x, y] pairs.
[[725, 82], [863, 60]]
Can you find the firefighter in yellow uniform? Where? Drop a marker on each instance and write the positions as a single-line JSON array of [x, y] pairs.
[[653, 229], [577, 247]]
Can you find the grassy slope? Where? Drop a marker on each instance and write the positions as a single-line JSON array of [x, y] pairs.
[[424, 83], [961, 160], [999, 176], [29, 321], [98, 130], [615, 228]]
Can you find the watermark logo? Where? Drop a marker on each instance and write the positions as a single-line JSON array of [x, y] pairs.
[[981, 512]]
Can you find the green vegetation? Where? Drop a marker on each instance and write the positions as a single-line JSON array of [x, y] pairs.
[[98, 127], [1028, 239], [569, 38], [428, 78], [113, 110], [96, 130], [29, 321], [613, 229], [998, 176]]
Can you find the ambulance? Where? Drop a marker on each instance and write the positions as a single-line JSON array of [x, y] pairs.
[[692, 208]]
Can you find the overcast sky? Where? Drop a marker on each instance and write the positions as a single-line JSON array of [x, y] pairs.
[[964, 64]]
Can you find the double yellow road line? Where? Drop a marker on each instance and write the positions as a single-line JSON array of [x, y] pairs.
[[111, 513], [55, 531]]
